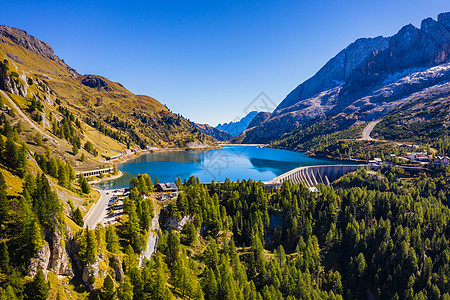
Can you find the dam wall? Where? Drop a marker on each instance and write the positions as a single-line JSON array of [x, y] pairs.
[[313, 175]]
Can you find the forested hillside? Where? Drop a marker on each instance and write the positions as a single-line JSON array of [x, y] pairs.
[[371, 235]]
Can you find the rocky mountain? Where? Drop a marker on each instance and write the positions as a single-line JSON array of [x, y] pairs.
[[235, 128], [107, 114], [218, 134], [367, 80]]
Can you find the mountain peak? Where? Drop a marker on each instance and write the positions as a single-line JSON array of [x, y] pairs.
[[444, 19], [366, 79], [29, 42]]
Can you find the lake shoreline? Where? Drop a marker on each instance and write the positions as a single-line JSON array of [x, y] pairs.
[[235, 162]]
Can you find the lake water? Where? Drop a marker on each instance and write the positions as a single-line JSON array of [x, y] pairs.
[[233, 162]]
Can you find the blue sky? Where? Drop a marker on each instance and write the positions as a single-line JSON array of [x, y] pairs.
[[209, 59]]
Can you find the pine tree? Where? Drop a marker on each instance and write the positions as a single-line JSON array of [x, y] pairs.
[[190, 233], [38, 288], [84, 184], [89, 251], [112, 240], [4, 257], [158, 288], [133, 228], [212, 253], [10, 293], [209, 284], [130, 258], [63, 178], [52, 167], [173, 248], [75, 148], [125, 290], [12, 154], [22, 162], [149, 183], [108, 291], [78, 217], [4, 203]]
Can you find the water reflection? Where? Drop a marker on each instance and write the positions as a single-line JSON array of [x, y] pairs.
[[233, 162]]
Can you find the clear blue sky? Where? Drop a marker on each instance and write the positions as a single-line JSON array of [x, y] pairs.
[[208, 59]]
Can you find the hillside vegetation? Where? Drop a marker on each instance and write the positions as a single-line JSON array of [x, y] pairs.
[[73, 110]]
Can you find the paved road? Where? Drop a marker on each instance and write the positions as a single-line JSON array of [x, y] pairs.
[[97, 212], [366, 131]]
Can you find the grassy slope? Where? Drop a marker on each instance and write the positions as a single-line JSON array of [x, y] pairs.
[[51, 80]]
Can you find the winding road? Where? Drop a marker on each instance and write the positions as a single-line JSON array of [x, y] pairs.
[[366, 131]]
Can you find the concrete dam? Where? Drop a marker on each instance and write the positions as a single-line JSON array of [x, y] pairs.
[[313, 175]]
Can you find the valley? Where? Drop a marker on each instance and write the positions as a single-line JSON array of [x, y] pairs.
[[341, 192]]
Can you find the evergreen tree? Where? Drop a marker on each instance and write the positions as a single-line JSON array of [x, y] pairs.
[[4, 257], [209, 284], [38, 288], [88, 247], [112, 240], [158, 288], [12, 154], [84, 184], [212, 253], [108, 290], [63, 178], [4, 203], [173, 248], [125, 290], [78, 217], [190, 233]]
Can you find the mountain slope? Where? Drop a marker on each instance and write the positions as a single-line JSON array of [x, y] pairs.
[[367, 80], [109, 116], [218, 134]]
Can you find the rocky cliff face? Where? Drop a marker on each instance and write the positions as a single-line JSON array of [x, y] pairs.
[[367, 79], [53, 254]]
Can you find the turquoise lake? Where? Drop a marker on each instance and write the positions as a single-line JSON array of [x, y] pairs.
[[233, 162]]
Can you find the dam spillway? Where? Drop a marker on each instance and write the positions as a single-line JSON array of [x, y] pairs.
[[313, 175]]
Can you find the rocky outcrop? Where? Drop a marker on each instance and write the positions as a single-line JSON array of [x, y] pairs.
[[59, 260], [8, 82], [89, 273], [213, 132], [366, 80], [53, 255], [96, 82], [177, 223], [40, 261], [116, 264]]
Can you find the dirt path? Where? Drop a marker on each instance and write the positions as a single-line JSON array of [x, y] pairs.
[[366, 131]]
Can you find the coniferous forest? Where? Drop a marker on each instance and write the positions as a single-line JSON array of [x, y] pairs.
[[379, 235]]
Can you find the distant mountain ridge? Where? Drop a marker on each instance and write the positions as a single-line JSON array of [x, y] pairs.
[[366, 80], [235, 128], [218, 134]]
